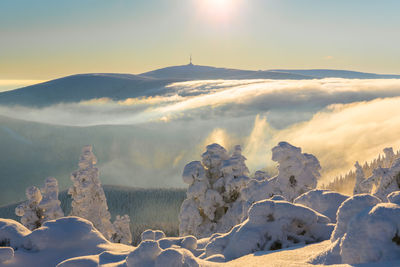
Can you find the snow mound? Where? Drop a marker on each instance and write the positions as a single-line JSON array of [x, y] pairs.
[[323, 201], [67, 233], [68, 239], [394, 197], [271, 225], [372, 235], [152, 235], [149, 254], [12, 233], [349, 208], [6, 253]]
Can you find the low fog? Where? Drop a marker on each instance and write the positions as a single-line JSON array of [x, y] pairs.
[[146, 141]]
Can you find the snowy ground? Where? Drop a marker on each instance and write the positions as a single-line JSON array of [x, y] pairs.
[[115, 256], [294, 257]]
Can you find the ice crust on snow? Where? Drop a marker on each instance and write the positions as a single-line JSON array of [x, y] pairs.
[[324, 201], [271, 225]]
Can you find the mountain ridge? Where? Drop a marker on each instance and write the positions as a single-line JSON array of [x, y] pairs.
[[120, 86]]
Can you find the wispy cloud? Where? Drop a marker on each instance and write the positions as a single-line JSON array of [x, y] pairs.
[[338, 120]]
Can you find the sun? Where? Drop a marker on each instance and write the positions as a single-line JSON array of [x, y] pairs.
[[218, 10]]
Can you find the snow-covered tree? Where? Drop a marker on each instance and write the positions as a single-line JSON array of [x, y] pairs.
[[213, 198], [353, 180], [42, 205], [30, 212], [122, 232], [50, 203], [298, 172], [89, 201], [271, 225], [359, 187], [88, 198]]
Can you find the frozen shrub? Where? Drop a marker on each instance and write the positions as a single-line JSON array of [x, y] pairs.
[[122, 232], [213, 201], [42, 205], [30, 212], [271, 225], [324, 201], [50, 203]]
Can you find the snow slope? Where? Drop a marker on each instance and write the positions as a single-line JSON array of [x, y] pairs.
[[327, 73]]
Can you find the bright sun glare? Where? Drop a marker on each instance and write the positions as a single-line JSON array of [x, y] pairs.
[[218, 10]]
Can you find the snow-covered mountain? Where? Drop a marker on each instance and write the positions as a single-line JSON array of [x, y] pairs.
[[80, 87], [327, 73], [197, 72]]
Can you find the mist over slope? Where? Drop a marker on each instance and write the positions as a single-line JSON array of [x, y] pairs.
[[145, 140]]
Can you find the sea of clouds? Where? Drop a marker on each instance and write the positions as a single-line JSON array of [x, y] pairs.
[[339, 120]]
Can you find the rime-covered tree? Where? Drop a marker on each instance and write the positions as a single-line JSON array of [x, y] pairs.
[[30, 212], [50, 203], [213, 198], [88, 198], [122, 232], [298, 172], [42, 205], [359, 188]]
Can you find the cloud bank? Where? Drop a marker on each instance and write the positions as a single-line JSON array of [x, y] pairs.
[[295, 100], [146, 141]]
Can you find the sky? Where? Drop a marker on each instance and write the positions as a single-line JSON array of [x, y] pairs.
[[46, 39]]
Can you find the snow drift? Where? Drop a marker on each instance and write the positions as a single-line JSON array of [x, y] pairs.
[[271, 225]]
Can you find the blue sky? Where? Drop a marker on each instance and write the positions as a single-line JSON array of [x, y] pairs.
[[45, 39]]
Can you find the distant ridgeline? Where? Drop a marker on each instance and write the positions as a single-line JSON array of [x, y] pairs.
[[147, 208], [345, 183], [81, 87]]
